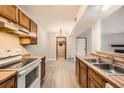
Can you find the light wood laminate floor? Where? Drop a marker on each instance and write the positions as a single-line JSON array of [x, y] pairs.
[[60, 74]]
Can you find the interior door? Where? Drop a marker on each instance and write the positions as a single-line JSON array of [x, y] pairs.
[[61, 47], [81, 48]]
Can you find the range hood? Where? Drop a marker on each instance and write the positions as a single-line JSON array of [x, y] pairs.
[[7, 26], [22, 32]]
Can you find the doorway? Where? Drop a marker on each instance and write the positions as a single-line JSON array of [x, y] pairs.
[[81, 46], [61, 48]]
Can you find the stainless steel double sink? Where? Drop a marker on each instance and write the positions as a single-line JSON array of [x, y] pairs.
[[108, 68]]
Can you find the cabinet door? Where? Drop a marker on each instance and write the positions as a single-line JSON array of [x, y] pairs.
[[42, 69], [24, 20], [92, 83], [77, 69], [101, 81], [33, 40], [25, 40], [8, 84], [10, 12], [33, 29], [83, 78]]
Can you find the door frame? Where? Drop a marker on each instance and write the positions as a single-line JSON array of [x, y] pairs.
[[57, 47], [85, 44]]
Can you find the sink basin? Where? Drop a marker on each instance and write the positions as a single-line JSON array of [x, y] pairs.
[[93, 61], [117, 70]]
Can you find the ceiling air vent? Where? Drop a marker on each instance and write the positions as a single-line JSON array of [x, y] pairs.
[[75, 19]]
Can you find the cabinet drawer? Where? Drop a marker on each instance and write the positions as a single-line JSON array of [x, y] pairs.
[[83, 65], [101, 81], [8, 84]]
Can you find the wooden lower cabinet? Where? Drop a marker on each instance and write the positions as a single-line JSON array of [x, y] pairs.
[[81, 73], [87, 77], [83, 78], [77, 68], [42, 69], [10, 83], [92, 83], [98, 78]]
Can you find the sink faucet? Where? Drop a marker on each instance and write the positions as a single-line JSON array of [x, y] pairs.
[[112, 60], [99, 59]]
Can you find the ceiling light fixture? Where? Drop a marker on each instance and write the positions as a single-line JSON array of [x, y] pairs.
[[61, 34], [105, 7]]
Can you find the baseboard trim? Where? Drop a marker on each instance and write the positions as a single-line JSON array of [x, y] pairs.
[[50, 60]]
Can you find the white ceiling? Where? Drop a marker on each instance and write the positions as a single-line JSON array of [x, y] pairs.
[[52, 17], [91, 15], [114, 23]]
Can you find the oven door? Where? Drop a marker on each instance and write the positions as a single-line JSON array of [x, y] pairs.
[[30, 77]]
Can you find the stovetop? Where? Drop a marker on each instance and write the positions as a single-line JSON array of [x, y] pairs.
[[20, 64]]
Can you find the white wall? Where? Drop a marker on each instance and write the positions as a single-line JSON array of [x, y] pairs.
[[96, 36], [87, 34], [51, 46], [10, 41], [109, 39], [113, 30], [93, 36], [42, 43], [71, 46], [114, 23]]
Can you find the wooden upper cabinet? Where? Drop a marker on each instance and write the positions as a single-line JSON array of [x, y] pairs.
[[33, 27], [10, 12], [24, 20], [33, 30]]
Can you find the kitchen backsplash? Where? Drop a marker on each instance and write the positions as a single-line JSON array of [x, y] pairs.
[[10, 41]]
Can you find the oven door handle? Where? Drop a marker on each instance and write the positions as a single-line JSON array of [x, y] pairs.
[[26, 71], [22, 73]]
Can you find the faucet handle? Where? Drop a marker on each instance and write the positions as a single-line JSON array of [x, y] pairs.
[[99, 59]]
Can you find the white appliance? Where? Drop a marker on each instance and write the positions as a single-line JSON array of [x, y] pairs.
[[28, 68], [12, 27]]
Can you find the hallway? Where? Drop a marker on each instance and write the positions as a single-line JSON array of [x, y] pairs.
[[60, 74]]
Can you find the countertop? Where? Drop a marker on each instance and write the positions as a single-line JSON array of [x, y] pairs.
[[117, 80], [6, 74], [31, 56]]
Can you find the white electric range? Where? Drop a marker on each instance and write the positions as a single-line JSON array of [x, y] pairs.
[[28, 68]]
